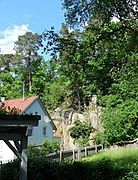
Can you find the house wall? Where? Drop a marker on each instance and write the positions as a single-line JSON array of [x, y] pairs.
[[37, 134], [6, 153]]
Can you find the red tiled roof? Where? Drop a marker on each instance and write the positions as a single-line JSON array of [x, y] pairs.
[[20, 104]]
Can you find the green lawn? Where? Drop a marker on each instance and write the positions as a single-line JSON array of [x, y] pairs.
[[123, 160]]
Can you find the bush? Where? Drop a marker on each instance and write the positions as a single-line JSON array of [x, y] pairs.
[[49, 147], [46, 148], [10, 171], [80, 132]]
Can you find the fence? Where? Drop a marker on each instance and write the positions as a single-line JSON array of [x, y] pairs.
[[75, 153], [69, 154]]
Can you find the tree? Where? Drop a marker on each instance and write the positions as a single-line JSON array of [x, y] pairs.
[[68, 53], [120, 121], [10, 84], [7, 61], [81, 12], [27, 48], [63, 47], [88, 59], [26, 67]]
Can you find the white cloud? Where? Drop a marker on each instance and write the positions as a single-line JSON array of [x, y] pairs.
[[9, 36]]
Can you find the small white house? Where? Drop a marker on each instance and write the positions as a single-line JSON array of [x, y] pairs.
[[44, 130]]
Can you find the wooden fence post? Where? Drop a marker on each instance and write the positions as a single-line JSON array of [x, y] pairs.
[[73, 154], [78, 154], [60, 155], [85, 151], [96, 150]]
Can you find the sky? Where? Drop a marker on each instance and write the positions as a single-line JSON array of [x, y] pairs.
[[19, 16]]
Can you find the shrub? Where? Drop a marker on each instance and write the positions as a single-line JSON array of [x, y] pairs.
[[80, 132], [46, 148], [10, 171]]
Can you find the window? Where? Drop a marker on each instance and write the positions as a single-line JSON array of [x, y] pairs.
[[44, 130]]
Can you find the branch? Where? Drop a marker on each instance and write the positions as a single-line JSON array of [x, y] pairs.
[[113, 31]]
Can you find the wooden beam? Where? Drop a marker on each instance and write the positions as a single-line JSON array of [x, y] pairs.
[[13, 149], [10, 136], [29, 130], [17, 145], [19, 120]]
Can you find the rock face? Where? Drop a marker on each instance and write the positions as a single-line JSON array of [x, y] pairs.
[[64, 120]]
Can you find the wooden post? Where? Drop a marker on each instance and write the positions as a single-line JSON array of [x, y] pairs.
[[73, 151], [23, 163], [60, 155], [102, 147], [85, 151], [96, 150], [78, 154]]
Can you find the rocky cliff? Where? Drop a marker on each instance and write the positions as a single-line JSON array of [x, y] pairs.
[[64, 119]]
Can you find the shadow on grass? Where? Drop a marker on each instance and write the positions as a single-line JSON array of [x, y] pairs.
[[103, 169], [109, 164]]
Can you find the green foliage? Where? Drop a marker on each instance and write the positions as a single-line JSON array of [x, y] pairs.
[[120, 114], [10, 170], [108, 164], [46, 148], [94, 59], [33, 151], [49, 147], [80, 132], [12, 89], [56, 93], [6, 60], [120, 122], [80, 12]]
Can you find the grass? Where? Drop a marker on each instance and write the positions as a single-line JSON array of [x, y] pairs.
[[112, 164], [123, 159], [119, 155]]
